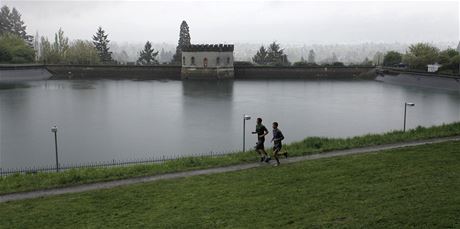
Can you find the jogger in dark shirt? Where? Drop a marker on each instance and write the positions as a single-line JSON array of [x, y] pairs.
[[277, 144], [261, 131]]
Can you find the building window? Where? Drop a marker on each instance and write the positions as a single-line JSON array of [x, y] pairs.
[[218, 61], [183, 60], [228, 60], [205, 62], [192, 60]]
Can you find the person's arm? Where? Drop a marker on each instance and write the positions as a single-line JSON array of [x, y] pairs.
[[279, 136], [265, 133]]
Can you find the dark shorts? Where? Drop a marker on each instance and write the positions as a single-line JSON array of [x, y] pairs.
[[277, 147], [260, 145]]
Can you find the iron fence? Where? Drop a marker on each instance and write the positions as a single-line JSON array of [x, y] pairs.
[[102, 164]]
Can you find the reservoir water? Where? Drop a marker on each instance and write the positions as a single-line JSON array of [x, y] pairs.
[[108, 120]]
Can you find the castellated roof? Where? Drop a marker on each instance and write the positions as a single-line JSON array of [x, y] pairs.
[[208, 47]]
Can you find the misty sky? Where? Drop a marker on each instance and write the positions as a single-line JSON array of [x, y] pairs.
[[310, 22]]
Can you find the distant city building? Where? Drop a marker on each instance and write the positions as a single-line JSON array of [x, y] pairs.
[[433, 67], [208, 61]]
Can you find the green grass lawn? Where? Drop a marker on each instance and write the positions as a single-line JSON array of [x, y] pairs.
[[416, 187], [311, 145]]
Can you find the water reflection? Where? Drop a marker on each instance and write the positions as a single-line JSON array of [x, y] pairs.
[[9, 86]]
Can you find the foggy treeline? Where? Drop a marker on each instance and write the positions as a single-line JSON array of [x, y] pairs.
[[346, 53]]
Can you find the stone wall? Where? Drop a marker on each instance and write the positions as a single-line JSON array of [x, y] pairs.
[[114, 72], [262, 72], [207, 73], [174, 72], [210, 56]]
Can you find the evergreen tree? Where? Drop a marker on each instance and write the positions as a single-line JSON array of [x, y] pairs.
[[273, 56], [11, 22], [184, 40], [101, 43], [18, 26], [148, 55], [261, 56], [276, 56], [311, 56], [5, 20]]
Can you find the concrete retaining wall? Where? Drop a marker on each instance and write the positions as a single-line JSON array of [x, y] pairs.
[[251, 72], [114, 72], [18, 73], [174, 72], [421, 80]]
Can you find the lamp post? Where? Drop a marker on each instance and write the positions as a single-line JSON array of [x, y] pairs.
[[54, 130], [245, 117], [405, 111]]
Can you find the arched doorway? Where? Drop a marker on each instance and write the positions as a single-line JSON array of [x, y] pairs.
[[205, 62]]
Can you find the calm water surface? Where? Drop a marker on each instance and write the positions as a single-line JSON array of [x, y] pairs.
[[124, 120]]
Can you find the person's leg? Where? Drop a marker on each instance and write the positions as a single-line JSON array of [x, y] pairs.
[[267, 157], [261, 154], [275, 155], [285, 153]]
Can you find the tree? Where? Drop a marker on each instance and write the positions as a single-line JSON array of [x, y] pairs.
[[48, 54], [366, 62], [275, 55], [148, 55], [272, 56], [13, 49], [449, 59], [261, 56], [446, 55], [11, 22], [82, 52], [18, 26], [101, 43], [311, 56], [338, 64], [6, 25], [301, 63], [378, 58], [184, 40], [392, 58], [61, 45], [420, 55], [37, 46]]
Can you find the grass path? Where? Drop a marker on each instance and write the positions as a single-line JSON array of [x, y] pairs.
[[130, 181]]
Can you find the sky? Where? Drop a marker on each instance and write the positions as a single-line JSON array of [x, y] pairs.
[[298, 22]]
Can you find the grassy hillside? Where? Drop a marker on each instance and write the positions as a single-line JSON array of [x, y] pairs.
[[403, 188]]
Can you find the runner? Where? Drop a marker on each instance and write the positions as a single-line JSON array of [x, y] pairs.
[[277, 144], [261, 131]]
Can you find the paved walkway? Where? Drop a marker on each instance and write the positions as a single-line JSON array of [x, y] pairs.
[[129, 181]]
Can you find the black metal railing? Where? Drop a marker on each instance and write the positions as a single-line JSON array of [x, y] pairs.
[[103, 164]]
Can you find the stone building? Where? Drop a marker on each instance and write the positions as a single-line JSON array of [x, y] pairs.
[[209, 61]]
